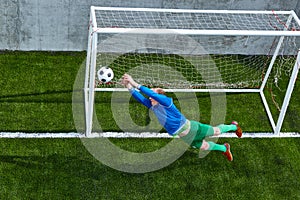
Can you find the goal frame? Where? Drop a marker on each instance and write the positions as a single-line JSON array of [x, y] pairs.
[[94, 30]]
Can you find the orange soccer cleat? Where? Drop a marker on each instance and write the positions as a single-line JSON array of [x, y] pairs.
[[239, 131], [228, 153]]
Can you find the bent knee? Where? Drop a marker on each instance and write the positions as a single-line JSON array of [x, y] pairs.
[[217, 131], [204, 146]]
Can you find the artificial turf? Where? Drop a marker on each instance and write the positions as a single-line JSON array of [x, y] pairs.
[[36, 96]]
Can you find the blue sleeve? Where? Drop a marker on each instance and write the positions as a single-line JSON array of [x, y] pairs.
[[160, 98], [140, 98]]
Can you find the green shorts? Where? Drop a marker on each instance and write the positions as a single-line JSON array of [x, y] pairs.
[[197, 134]]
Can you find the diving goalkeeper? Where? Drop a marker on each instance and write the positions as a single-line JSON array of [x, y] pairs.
[[175, 123]]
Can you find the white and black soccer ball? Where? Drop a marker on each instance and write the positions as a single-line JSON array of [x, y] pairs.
[[105, 74]]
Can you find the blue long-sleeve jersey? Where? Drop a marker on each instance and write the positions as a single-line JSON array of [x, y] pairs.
[[166, 112]]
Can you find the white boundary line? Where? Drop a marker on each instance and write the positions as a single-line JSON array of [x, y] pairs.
[[136, 135]]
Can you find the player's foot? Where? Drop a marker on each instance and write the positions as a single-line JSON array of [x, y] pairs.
[[238, 131], [228, 153]]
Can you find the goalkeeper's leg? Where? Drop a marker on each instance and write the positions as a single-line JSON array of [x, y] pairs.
[[223, 128], [211, 146]]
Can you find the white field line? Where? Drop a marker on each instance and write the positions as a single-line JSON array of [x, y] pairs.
[[135, 135]]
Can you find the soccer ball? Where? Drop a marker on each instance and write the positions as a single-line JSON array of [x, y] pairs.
[[105, 74]]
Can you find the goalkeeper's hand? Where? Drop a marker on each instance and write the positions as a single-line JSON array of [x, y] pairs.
[[128, 79], [126, 83]]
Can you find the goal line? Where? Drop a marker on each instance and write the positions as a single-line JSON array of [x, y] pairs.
[[138, 135]]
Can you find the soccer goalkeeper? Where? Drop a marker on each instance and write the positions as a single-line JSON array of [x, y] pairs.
[[175, 122]]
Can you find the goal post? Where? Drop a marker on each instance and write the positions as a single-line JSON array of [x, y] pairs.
[[194, 51]]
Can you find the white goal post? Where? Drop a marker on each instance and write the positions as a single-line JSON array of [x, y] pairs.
[[214, 50]]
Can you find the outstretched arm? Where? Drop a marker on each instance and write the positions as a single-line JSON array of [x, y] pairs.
[[162, 99], [137, 95]]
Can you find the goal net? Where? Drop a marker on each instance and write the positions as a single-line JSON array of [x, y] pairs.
[[195, 51]]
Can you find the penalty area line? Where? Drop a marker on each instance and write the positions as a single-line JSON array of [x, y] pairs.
[[136, 135]]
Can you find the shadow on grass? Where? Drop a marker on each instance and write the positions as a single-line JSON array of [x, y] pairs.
[[54, 96], [69, 166]]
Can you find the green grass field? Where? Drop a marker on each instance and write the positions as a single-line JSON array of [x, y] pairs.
[[36, 96]]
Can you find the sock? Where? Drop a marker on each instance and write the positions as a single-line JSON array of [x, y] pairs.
[[226, 128], [216, 147]]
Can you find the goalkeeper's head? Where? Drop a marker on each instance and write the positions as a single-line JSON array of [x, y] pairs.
[[159, 91]]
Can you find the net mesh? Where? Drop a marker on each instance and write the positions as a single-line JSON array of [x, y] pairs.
[[193, 20], [195, 62], [172, 60]]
